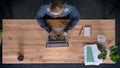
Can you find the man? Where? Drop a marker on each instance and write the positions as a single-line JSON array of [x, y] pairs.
[[57, 10]]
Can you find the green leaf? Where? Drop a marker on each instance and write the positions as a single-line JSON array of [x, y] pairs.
[[99, 46], [113, 48], [101, 56], [114, 57]]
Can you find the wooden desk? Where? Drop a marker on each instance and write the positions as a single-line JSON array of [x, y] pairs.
[[27, 36]]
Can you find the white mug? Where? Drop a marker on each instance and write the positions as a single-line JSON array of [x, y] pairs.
[[101, 39]]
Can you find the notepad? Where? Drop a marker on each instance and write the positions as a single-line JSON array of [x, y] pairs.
[[87, 31]]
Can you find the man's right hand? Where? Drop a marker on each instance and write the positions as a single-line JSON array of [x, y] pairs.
[[53, 35]]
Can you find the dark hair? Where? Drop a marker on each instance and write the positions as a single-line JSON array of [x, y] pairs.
[[57, 6]]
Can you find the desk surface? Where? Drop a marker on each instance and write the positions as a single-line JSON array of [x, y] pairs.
[[27, 37]]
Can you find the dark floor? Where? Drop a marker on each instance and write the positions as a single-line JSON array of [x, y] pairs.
[[89, 9]]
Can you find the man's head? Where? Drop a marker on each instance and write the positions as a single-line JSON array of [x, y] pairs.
[[57, 7]]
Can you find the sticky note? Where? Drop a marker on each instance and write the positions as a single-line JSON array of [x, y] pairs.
[[90, 57]]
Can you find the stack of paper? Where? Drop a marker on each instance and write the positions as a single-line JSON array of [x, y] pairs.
[[91, 55]]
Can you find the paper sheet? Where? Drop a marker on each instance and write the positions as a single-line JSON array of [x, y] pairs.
[[95, 52]]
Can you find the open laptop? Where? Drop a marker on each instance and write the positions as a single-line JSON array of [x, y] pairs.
[[58, 42]]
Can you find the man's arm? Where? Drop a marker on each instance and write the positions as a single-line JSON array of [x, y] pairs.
[[40, 15], [75, 18]]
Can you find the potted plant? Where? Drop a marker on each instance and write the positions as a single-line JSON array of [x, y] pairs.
[[114, 56], [103, 51]]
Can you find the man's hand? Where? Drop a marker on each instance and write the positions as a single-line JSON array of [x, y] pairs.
[[53, 35], [62, 35]]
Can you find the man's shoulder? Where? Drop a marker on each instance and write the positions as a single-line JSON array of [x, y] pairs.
[[67, 5], [45, 5]]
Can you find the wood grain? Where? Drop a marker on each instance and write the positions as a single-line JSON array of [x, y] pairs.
[[26, 36]]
